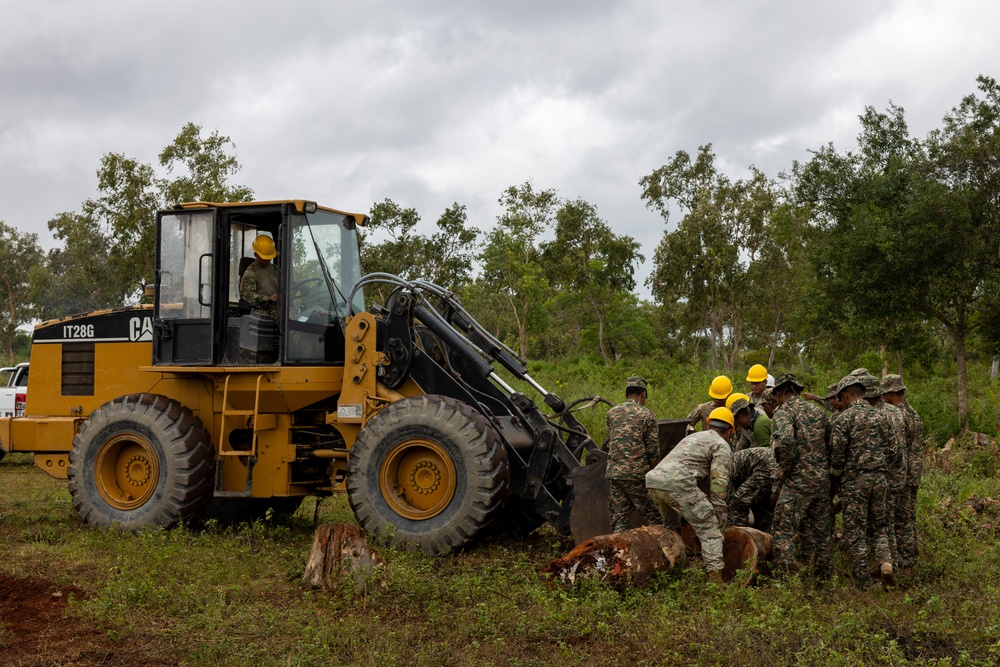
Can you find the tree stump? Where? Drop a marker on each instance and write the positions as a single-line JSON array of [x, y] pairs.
[[621, 559], [743, 548], [339, 549]]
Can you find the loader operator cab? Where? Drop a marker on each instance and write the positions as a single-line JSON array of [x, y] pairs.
[[202, 252]]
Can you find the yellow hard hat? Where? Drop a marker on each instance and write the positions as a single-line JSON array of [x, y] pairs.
[[722, 414], [757, 373], [263, 245], [733, 397], [721, 387]]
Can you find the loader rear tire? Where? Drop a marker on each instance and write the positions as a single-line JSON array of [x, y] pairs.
[[141, 460], [428, 471]]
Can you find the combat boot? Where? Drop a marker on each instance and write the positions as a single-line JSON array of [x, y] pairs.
[[888, 576], [715, 576]]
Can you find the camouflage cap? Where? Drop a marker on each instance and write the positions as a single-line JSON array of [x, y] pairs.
[[870, 382], [768, 397], [892, 383], [740, 404], [847, 381], [635, 382], [831, 391], [788, 378], [860, 372]]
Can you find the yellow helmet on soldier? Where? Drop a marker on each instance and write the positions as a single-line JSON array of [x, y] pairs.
[[757, 373], [733, 397], [263, 245], [722, 415], [721, 387]]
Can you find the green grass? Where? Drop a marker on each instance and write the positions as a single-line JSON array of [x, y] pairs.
[[233, 595]]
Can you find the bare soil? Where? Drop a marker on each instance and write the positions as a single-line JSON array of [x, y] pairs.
[[36, 631]]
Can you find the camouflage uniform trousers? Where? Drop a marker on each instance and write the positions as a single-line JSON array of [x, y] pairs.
[[687, 501], [865, 521], [626, 495], [806, 514], [893, 499], [757, 501], [905, 527]]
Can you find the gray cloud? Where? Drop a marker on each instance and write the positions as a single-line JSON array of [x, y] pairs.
[[429, 103]]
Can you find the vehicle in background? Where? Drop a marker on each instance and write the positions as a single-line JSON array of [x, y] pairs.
[[14, 395]]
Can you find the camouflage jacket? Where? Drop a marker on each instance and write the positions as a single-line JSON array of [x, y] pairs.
[[700, 416], [914, 445], [861, 441], [258, 284], [633, 445], [897, 428], [703, 455], [755, 462], [800, 435]]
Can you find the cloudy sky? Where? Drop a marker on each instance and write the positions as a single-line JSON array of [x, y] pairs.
[[431, 102]]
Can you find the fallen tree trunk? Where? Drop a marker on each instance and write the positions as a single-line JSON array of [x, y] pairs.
[[743, 548], [339, 549], [621, 559]]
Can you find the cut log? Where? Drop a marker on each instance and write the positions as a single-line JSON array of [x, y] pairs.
[[339, 549], [621, 559], [742, 549]]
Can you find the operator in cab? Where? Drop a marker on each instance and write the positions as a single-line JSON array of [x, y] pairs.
[[259, 284]]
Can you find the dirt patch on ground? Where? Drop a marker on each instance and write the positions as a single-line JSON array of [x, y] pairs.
[[35, 631]]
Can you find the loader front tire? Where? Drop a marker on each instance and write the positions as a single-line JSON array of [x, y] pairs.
[[427, 471], [141, 460]]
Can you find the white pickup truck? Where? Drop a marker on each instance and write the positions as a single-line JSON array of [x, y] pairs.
[[14, 394]]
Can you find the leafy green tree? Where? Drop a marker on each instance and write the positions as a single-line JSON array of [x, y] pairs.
[[511, 257], [912, 226], [780, 277], [444, 257], [704, 262], [118, 226], [591, 262], [125, 212], [19, 255], [76, 277], [208, 167]]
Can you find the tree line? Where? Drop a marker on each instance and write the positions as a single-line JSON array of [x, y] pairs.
[[891, 248]]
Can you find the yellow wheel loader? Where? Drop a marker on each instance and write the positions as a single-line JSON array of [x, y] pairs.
[[201, 403]]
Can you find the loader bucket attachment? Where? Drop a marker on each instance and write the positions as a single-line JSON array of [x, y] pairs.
[[670, 432], [589, 516]]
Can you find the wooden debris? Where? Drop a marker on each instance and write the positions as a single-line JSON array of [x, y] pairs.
[[621, 559], [742, 549], [339, 549]]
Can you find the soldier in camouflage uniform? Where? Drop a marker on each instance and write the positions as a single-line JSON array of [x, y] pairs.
[[747, 419], [769, 404], [860, 458], [757, 379], [718, 391], [895, 476], [259, 284], [633, 449], [753, 478], [905, 514], [743, 435], [673, 486], [800, 436], [829, 402]]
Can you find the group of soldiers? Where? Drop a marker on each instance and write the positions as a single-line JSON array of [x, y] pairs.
[[784, 461]]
